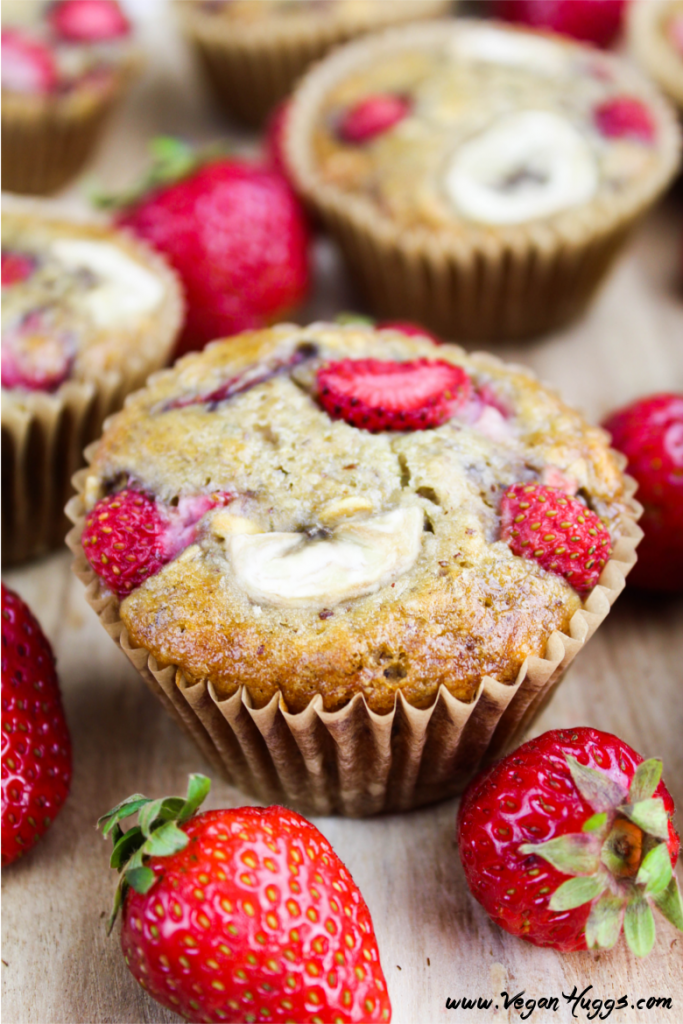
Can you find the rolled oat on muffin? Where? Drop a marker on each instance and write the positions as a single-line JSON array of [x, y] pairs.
[[87, 314], [480, 179], [304, 538]]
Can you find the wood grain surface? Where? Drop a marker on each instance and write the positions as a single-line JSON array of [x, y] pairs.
[[435, 941]]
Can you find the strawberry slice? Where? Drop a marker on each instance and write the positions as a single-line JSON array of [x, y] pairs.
[[376, 395], [16, 267], [28, 66], [88, 21], [373, 116], [625, 117]]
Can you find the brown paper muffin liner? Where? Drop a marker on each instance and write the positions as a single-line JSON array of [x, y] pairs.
[[354, 761], [44, 435], [647, 43], [474, 283], [250, 71], [47, 140]]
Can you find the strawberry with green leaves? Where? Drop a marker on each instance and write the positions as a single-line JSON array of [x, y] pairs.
[[570, 838], [242, 914]]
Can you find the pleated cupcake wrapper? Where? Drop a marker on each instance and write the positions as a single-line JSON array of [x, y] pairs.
[[250, 73], [47, 141], [44, 435], [354, 761], [650, 48], [470, 282]]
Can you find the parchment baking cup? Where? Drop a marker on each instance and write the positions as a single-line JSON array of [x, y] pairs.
[[251, 68], [44, 435], [46, 140], [654, 53], [354, 761], [469, 282]]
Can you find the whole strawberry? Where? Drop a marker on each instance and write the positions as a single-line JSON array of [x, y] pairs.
[[242, 914], [36, 748], [650, 434], [28, 64], [570, 837], [233, 231], [88, 21], [557, 530], [592, 21]]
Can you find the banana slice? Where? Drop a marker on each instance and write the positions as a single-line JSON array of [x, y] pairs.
[[528, 165], [293, 571], [509, 49], [124, 291]]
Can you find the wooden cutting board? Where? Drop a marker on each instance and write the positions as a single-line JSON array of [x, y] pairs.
[[435, 941]]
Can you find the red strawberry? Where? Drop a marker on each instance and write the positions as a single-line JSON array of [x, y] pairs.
[[28, 65], [408, 328], [236, 235], [373, 116], [16, 267], [381, 395], [569, 836], [242, 914], [36, 748], [548, 525], [593, 21], [625, 117], [129, 537], [650, 434], [88, 21]]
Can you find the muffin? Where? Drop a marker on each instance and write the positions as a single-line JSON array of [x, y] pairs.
[[655, 37], [479, 178], [87, 314], [315, 580], [253, 51], [64, 66]]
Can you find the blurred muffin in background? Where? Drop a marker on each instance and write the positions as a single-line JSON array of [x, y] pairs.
[[655, 36]]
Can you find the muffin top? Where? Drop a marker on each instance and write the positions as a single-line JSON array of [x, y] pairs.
[[61, 49], [289, 15], [655, 31], [78, 301], [479, 125], [322, 513]]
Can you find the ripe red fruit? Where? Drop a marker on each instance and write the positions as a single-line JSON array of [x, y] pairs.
[[548, 525], [36, 354], [242, 913], [376, 395], [593, 21], [410, 329], [16, 267], [129, 536], [36, 748], [28, 65], [650, 434], [372, 116], [625, 117], [88, 21], [569, 836], [236, 235]]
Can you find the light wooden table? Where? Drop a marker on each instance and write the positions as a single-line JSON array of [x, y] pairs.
[[435, 941]]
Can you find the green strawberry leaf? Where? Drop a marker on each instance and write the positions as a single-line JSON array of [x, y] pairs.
[[596, 787], [126, 846], [669, 903], [604, 922], [198, 787], [141, 879], [645, 780], [655, 870], [639, 926], [577, 891], [165, 840], [596, 823], [346, 317], [148, 815], [577, 853], [129, 806], [650, 815], [118, 901]]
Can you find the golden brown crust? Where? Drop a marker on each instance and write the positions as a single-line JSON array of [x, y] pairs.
[[466, 608]]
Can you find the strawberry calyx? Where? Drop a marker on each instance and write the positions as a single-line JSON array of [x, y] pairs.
[[156, 834], [619, 862]]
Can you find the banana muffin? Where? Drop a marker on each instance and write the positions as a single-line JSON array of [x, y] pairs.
[[332, 512], [64, 66], [253, 51], [480, 178], [87, 314]]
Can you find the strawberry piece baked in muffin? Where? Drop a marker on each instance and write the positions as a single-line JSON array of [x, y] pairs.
[[64, 65], [336, 512], [87, 314], [479, 178]]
